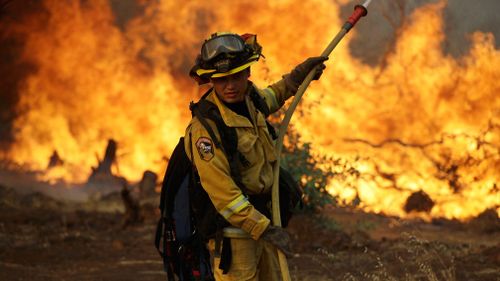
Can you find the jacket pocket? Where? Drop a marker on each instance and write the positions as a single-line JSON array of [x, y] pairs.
[[246, 141]]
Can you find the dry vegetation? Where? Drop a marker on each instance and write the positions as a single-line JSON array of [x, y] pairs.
[[42, 239]]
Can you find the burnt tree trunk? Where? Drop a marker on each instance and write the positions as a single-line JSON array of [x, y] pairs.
[[101, 180], [104, 166]]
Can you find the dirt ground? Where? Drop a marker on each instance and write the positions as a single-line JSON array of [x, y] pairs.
[[44, 239]]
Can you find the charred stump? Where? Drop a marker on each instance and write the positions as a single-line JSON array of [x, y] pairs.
[[132, 214], [147, 184]]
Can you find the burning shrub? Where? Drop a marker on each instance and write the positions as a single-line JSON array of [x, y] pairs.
[[419, 201]]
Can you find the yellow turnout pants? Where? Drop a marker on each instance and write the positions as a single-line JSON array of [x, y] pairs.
[[251, 260]]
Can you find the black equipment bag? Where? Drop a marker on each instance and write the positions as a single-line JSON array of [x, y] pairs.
[[177, 240]]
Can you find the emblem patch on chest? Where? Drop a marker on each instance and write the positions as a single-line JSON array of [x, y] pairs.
[[205, 148]]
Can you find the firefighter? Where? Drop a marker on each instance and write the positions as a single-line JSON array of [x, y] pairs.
[[224, 61]]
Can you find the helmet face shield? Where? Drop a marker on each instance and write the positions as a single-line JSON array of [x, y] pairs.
[[227, 43]]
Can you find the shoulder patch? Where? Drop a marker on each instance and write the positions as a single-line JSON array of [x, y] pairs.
[[205, 148]]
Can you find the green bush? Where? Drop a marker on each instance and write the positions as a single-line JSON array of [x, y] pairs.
[[299, 160]]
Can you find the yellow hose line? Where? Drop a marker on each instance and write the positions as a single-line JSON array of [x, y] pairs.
[[279, 146]]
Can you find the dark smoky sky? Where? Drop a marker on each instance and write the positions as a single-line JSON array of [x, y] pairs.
[[462, 17], [13, 70]]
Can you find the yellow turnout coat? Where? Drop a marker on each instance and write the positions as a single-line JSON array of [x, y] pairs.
[[256, 145]]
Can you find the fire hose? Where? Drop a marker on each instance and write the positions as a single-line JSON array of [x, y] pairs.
[[359, 11]]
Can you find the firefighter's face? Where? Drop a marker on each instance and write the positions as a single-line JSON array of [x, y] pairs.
[[232, 88]]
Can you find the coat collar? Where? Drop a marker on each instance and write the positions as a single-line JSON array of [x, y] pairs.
[[230, 117]]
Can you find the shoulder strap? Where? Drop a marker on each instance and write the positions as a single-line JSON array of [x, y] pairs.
[[200, 110], [260, 103], [228, 141]]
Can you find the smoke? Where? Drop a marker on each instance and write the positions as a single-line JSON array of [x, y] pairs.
[[463, 17], [13, 68], [386, 17], [125, 10], [12, 72]]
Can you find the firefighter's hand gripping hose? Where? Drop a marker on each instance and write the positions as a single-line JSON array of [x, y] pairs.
[[279, 238], [294, 79], [359, 11]]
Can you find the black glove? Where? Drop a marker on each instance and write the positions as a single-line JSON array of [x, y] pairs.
[[279, 238], [299, 73]]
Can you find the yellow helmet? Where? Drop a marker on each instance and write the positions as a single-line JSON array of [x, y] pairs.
[[223, 54]]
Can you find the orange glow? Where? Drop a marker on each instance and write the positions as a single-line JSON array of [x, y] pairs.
[[413, 118]]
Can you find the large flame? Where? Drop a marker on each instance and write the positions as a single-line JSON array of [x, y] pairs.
[[422, 121]]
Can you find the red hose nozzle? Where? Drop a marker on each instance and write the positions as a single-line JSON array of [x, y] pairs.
[[359, 11]]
